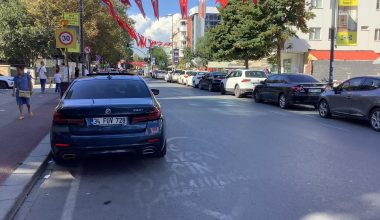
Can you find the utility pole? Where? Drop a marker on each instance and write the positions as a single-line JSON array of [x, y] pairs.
[[172, 41], [332, 45], [82, 59]]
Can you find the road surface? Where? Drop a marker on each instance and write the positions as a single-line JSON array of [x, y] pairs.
[[227, 159]]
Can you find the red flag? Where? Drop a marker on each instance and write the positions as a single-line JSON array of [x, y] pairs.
[[222, 2], [183, 5], [125, 2], [255, 2], [202, 8], [155, 9], [140, 5]]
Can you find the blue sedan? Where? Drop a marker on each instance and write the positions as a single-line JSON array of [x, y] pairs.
[[108, 114]]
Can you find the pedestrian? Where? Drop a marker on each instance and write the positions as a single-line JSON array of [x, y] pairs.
[[76, 72], [42, 75], [58, 80], [23, 89], [85, 71]]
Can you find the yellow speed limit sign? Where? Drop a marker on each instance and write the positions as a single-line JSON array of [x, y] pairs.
[[65, 38]]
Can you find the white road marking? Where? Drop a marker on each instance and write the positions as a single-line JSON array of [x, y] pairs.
[[71, 199], [334, 127]]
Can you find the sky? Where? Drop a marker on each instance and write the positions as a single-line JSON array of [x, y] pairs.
[[158, 30]]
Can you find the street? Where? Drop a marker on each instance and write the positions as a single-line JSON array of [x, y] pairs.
[[19, 137], [227, 158]]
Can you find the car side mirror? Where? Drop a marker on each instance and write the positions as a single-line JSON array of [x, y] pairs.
[[155, 91], [337, 90]]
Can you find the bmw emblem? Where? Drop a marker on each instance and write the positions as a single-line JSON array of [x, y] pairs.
[[108, 111]]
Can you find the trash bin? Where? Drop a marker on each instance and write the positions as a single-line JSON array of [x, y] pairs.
[[64, 87]]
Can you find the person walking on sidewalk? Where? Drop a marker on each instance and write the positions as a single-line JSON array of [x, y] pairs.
[[42, 74], [58, 80], [23, 89]]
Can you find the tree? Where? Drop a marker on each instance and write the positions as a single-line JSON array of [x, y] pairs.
[[161, 58], [238, 36], [21, 41], [283, 18], [203, 49]]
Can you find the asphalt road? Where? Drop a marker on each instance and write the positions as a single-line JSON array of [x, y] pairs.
[[19, 137], [227, 159]]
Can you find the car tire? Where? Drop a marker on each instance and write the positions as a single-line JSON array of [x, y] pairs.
[[161, 153], [324, 109], [210, 89], [3, 85], [222, 89], [374, 119], [237, 91], [200, 86], [256, 97], [283, 101], [194, 86]]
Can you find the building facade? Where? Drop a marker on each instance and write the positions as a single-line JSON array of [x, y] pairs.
[[180, 36], [357, 41]]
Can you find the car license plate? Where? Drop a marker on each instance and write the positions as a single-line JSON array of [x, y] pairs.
[[109, 121], [315, 90]]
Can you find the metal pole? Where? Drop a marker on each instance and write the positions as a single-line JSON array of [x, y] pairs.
[[172, 44], [82, 59], [332, 45]]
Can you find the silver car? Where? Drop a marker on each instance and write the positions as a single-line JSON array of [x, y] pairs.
[[358, 97]]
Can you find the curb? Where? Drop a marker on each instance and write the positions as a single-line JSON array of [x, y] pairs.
[[18, 185]]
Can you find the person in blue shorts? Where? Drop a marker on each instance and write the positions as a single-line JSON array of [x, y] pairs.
[[23, 89]]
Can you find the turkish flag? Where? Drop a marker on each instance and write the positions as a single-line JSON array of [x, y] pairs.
[[255, 2], [155, 9], [202, 8], [139, 4], [183, 5], [126, 2], [222, 2]]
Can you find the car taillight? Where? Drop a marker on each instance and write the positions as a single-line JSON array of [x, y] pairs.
[[151, 116], [60, 119], [246, 80], [297, 89]]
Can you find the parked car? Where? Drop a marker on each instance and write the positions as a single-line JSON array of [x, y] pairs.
[[211, 81], [289, 89], [6, 82], [108, 114], [195, 80], [176, 75], [160, 74], [189, 81], [183, 78], [241, 82], [358, 97]]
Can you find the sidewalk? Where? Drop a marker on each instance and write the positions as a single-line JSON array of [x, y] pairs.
[[20, 137]]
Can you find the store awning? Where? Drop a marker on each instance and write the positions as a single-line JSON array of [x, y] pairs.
[[353, 55]]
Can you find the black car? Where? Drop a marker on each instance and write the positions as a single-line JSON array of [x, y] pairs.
[[108, 114], [211, 81], [288, 89]]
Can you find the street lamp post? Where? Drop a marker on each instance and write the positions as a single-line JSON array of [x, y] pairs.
[[332, 45], [172, 40], [81, 8]]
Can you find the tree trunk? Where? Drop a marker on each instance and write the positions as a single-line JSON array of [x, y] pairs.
[[246, 62], [279, 48]]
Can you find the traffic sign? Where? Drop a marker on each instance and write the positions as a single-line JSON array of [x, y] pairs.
[[65, 38], [64, 23], [87, 50]]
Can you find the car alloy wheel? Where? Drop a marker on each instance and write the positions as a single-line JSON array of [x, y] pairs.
[[282, 101], [3, 85], [222, 89], [324, 109], [375, 119], [210, 88], [200, 86], [237, 92], [256, 96]]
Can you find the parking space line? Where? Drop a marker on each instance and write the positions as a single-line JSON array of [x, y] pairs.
[[71, 199]]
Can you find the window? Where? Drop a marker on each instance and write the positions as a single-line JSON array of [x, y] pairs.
[[255, 74], [377, 34], [287, 65], [302, 79], [271, 79], [315, 34], [316, 3], [352, 84], [378, 4], [370, 84]]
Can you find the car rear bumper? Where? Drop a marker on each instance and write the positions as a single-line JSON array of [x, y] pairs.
[[304, 99], [64, 143], [246, 91]]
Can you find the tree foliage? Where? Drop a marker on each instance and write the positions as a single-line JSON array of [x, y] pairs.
[[36, 21], [203, 49], [161, 57]]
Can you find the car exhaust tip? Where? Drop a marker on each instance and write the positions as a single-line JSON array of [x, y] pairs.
[[69, 156], [148, 151]]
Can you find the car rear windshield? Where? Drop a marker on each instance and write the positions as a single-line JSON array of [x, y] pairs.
[[108, 89], [255, 74], [302, 79], [219, 75]]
